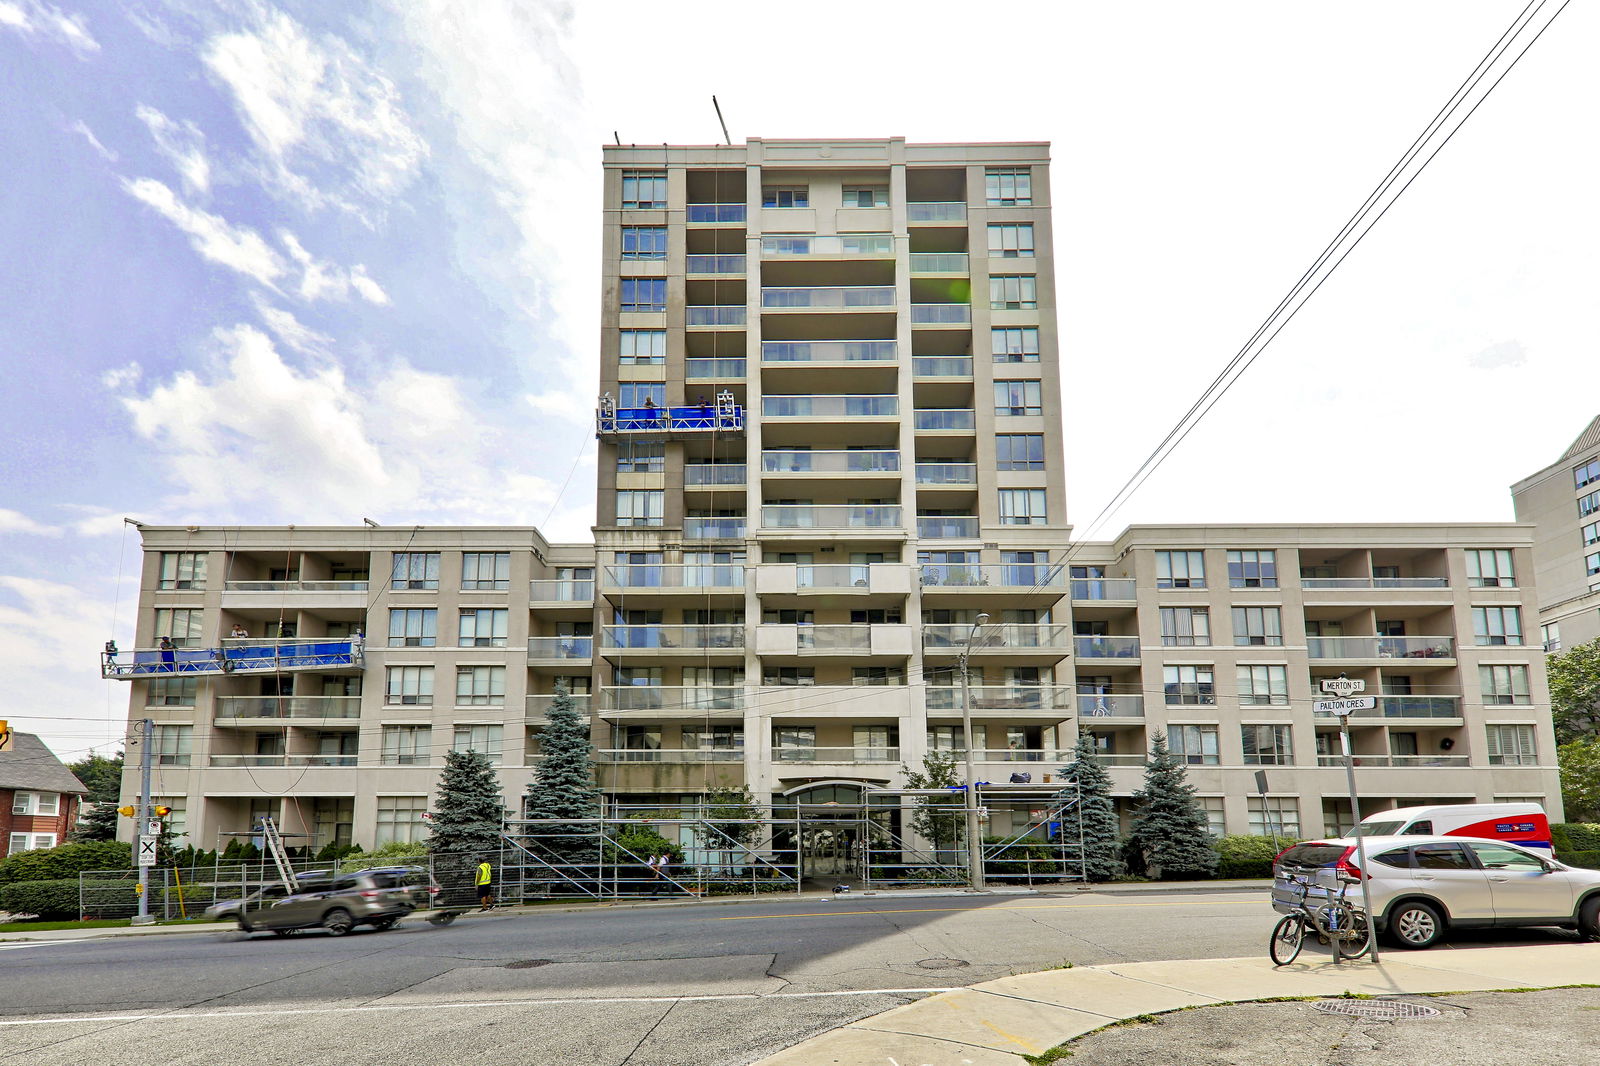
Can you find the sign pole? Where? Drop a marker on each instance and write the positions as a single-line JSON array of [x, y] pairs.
[[144, 844], [1343, 687]]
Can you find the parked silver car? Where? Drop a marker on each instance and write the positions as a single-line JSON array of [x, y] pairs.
[[1424, 885], [335, 902]]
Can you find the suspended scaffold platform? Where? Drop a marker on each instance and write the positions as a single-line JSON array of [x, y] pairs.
[[723, 416], [243, 657]]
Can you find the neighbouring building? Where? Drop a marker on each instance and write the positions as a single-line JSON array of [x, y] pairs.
[[39, 796], [1562, 502]]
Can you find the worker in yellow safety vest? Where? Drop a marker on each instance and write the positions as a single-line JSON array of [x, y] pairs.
[[485, 885]]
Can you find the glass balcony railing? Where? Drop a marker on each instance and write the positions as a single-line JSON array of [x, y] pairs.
[[715, 369], [690, 575], [833, 576], [714, 474], [780, 461], [581, 648], [830, 516], [1374, 582], [714, 528], [944, 418], [715, 214], [538, 704], [1000, 698], [876, 351], [1110, 705], [830, 406], [714, 264], [941, 366], [669, 755], [1103, 588], [863, 244], [947, 473], [1397, 761], [1003, 636], [940, 314], [1409, 707], [1004, 575], [1381, 647], [836, 755], [288, 707], [856, 638], [673, 698], [714, 315], [953, 211], [938, 262], [673, 637], [561, 591], [934, 527], [1106, 647], [829, 296], [295, 586]]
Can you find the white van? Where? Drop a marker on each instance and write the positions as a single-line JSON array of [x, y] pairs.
[[1514, 823]]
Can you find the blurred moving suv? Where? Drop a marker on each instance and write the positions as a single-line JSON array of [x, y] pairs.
[[1423, 886], [334, 902]]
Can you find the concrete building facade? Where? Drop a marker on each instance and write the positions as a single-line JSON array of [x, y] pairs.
[[1562, 503]]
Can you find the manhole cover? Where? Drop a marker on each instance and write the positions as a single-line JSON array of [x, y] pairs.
[[527, 964], [1376, 1010], [942, 964]]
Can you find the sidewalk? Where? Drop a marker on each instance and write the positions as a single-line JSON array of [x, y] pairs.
[[998, 1022]]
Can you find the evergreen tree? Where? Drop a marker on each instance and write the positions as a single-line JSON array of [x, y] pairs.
[[563, 787], [1170, 828], [468, 815], [940, 820], [1094, 816], [99, 824]]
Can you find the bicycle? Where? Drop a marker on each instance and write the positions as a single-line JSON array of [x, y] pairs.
[[1337, 922]]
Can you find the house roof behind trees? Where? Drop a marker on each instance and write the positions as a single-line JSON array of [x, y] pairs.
[[29, 765]]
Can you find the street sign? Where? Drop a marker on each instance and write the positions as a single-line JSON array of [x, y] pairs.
[[147, 851], [152, 829], [1344, 707], [1343, 686]]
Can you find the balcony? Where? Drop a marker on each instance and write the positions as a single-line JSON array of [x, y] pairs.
[[1098, 589], [780, 461], [1448, 707], [1106, 647], [1001, 637], [1110, 705], [692, 700], [697, 577], [255, 708], [843, 642], [952, 474], [828, 297], [950, 211], [943, 419], [559, 650], [538, 705], [831, 407], [568, 591], [714, 264], [1009, 698], [865, 245], [940, 576], [941, 366], [947, 527], [714, 315], [1374, 582], [870, 579], [232, 761], [295, 586], [714, 369], [1381, 648], [938, 262], [830, 516], [702, 475], [728, 638], [724, 416], [876, 351], [716, 214], [941, 314], [669, 755], [730, 528], [835, 755], [1398, 761]]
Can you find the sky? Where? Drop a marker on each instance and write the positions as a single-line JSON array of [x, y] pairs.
[[305, 263]]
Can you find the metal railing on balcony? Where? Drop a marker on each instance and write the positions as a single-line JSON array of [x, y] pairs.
[[570, 590], [836, 755], [1408, 707], [941, 527], [1004, 575], [1110, 705], [834, 638], [864, 244], [1381, 647], [669, 755], [1053, 756], [715, 214], [830, 406], [664, 576], [673, 698], [646, 637], [714, 315], [830, 516], [947, 473], [729, 528], [1374, 582], [1106, 647], [941, 314], [537, 704], [938, 262], [221, 761], [714, 264], [941, 366], [288, 707], [871, 351], [828, 296], [937, 211], [782, 461], [563, 648], [713, 474], [1398, 761], [1000, 698], [1005, 636], [943, 418], [714, 369], [833, 575], [295, 586], [1091, 589]]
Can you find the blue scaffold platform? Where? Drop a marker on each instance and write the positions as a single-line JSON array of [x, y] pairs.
[[242, 658]]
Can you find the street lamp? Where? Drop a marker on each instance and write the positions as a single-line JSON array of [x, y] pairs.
[[974, 840]]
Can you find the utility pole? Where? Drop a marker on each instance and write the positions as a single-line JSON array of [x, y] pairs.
[[146, 834], [974, 840]]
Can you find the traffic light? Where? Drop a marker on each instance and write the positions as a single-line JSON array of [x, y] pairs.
[[161, 812], [5, 735], [126, 812]]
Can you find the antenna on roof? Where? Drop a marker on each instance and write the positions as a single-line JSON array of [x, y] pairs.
[[725, 138], [616, 138]]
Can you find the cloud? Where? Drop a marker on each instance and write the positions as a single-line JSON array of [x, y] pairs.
[[17, 522], [320, 279], [235, 247], [50, 639], [1496, 356], [291, 331], [329, 127], [35, 18], [81, 128], [183, 144]]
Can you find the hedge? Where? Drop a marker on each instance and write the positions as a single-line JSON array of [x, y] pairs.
[[57, 900], [1248, 856], [65, 861], [1589, 860], [1575, 836]]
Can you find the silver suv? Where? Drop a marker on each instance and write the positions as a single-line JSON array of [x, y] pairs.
[[1423, 885], [335, 902]]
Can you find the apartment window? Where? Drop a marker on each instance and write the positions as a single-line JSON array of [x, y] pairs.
[[1266, 745], [183, 570], [1511, 745], [1185, 627], [1263, 685], [1022, 507], [486, 570], [1591, 564], [641, 456], [413, 627], [785, 196], [865, 196], [43, 804], [1256, 627], [1490, 568], [1180, 570], [640, 507], [878, 675], [632, 394], [1587, 474], [410, 685], [177, 819], [1008, 186], [1013, 292], [644, 188], [644, 294], [1216, 821], [789, 675], [1011, 240], [483, 738], [1189, 685], [1195, 744], [1014, 344], [1252, 570], [483, 627], [182, 624], [415, 570], [1019, 451], [173, 744], [1274, 816], [1496, 625], [1550, 636], [713, 738], [172, 692], [644, 242], [400, 820], [642, 346], [1504, 684], [1017, 399], [406, 745], [18, 842], [1588, 505], [1591, 534]]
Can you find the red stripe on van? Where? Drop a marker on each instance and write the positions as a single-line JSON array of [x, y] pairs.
[[1528, 829]]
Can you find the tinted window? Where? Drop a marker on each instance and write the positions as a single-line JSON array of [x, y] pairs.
[[1441, 857], [1309, 855], [1400, 859], [1495, 857], [1381, 829], [388, 879], [1420, 829]]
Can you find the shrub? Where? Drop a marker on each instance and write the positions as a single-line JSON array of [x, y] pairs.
[[1247, 856], [1575, 836], [1588, 860], [1023, 861], [394, 853], [65, 861], [57, 900]]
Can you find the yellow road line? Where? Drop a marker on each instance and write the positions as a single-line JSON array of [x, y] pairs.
[[1044, 907]]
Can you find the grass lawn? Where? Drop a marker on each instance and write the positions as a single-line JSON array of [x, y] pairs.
[[93, 923]]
